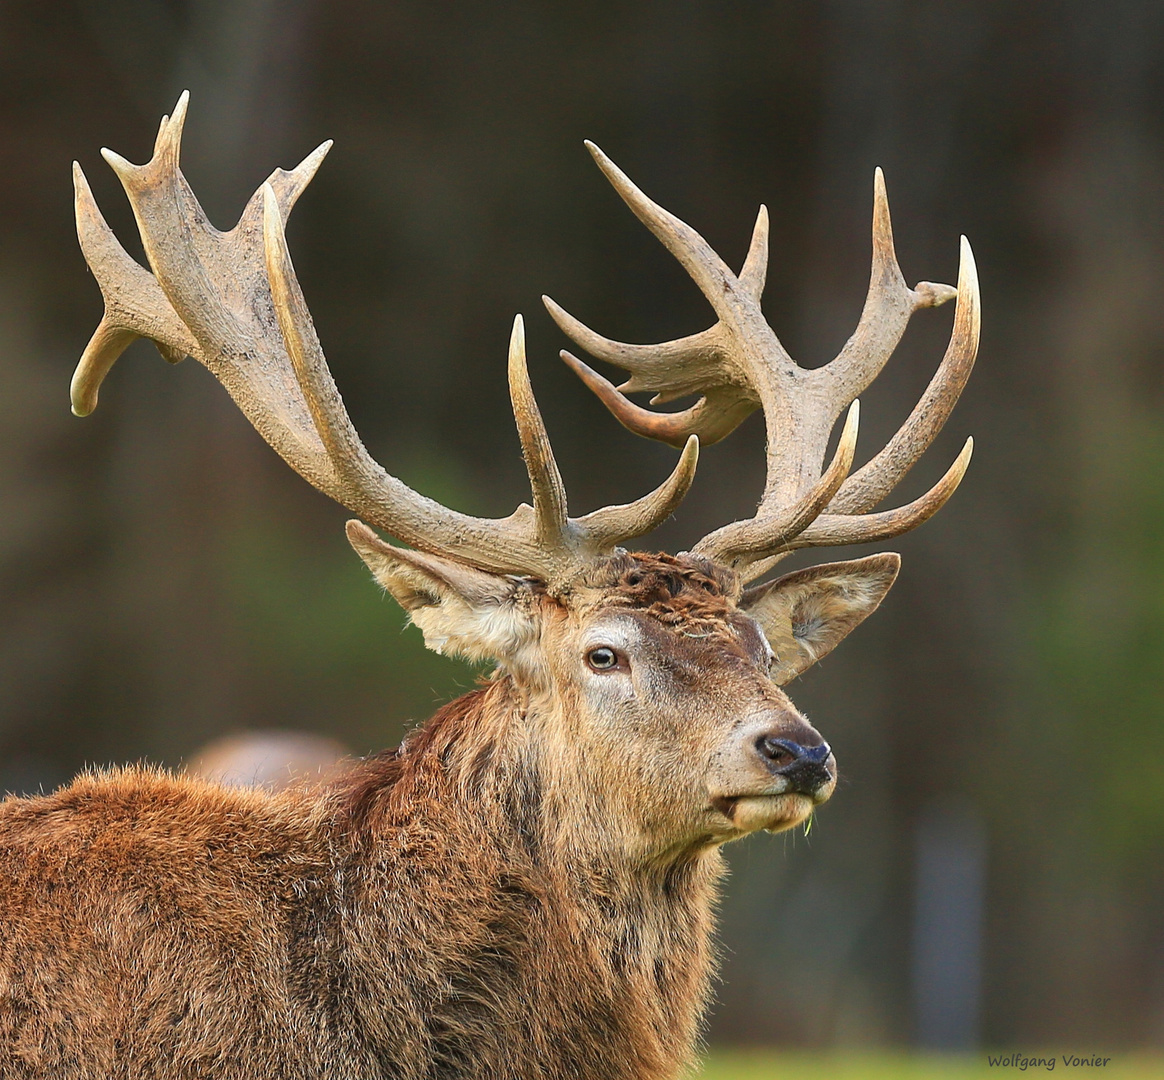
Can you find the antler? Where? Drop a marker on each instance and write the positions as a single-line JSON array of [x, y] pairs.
[[739, 365], [231, 300]]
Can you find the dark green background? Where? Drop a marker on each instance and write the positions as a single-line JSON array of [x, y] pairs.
[[165, 579]]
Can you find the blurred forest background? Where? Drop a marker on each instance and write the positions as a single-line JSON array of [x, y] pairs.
[[991, 870]]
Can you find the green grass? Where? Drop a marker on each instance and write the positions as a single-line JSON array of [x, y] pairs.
[[892, 1065]]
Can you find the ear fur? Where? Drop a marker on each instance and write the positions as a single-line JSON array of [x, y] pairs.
[[459, 609], [806, 614]]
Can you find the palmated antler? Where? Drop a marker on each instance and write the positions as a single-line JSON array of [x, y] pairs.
[[231, 300], [739, 365]]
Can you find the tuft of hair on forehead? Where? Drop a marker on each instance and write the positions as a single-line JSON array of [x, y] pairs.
[[675, 589]]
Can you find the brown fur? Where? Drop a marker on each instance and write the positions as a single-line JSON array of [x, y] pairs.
[[521, 890], [399, 924]]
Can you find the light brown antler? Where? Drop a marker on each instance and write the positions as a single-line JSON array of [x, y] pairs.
[[739, 365], [231, 300]]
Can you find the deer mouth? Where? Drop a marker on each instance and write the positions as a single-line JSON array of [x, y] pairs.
[[773, 812]]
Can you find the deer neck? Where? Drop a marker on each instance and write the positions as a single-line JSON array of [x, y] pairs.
[[466, 847]]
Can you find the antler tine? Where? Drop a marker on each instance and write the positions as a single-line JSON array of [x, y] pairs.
[[739, 364], [754, 272], [549, 493], [716, 415], [889, 304], [743, 542], [612, 525], [874, 480], [135, 305], [169, 138], [232, 301], [667, 368], [833, 529], [694, 254]]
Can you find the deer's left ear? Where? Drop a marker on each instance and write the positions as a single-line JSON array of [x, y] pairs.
[[460, 610], [805, 615]]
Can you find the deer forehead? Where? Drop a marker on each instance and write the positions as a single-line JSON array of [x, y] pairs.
[[702, 647], [679, 606]]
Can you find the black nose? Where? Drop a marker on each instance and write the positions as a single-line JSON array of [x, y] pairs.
[[804, 767]]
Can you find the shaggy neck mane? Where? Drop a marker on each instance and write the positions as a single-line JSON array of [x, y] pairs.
[[478, 762], [532, 964]]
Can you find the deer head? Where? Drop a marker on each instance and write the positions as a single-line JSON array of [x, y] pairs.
[[649, 685]]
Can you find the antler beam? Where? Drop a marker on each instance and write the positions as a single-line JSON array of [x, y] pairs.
[[738, 365]]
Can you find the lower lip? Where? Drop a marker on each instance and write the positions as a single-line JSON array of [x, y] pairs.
[[772, 812]]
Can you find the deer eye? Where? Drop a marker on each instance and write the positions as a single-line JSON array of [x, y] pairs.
[[603, 658]]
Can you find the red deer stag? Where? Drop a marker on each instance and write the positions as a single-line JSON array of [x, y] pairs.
[[525, 887]]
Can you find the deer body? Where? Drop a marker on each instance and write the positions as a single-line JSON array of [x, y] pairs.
[[525, 888], [480, 903], [398, 924]]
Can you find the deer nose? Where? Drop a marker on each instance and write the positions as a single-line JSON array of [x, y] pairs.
[[806, 768]]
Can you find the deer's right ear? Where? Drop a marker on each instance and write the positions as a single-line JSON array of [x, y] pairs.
[[459, 609]]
